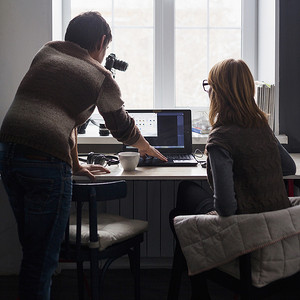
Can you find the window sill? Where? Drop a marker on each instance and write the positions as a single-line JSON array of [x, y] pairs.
[[93, 137]]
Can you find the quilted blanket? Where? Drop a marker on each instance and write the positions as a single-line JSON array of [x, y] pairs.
[[210, 241]]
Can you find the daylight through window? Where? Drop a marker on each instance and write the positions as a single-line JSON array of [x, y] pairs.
[[169, 46]]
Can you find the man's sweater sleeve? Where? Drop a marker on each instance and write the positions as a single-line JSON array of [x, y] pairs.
[[121, 126], [110, 106]]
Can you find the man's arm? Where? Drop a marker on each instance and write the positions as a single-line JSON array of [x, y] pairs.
[[123, 128], [84, 170]]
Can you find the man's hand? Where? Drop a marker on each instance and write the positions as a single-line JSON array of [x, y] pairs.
[[90, 170], [151, 151], [146, 149]]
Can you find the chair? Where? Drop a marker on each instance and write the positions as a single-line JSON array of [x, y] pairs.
[[255, 255], [91, 236], [243, 286]]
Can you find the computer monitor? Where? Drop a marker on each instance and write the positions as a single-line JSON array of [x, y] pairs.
[[168, 130]]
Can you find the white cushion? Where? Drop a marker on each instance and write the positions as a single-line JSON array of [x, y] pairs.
[[112, 229]]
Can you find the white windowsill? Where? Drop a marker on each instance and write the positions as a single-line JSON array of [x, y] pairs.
[[92, 137]]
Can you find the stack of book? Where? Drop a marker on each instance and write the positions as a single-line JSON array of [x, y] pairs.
[[265, 100]]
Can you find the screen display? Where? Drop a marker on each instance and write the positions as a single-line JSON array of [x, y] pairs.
[[161, 129]]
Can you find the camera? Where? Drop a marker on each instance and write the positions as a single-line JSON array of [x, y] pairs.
[[113, 63]]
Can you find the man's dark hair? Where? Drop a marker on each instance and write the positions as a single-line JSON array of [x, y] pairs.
[[87, 30]]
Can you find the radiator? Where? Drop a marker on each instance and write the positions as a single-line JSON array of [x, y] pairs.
[[151, 201]]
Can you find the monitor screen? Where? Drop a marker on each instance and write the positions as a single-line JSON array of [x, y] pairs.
[[166, 130], [162, 129]]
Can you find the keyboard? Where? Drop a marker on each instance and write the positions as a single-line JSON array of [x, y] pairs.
[[173, 160]]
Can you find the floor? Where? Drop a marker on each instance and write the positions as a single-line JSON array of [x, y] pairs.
[[154, 286]]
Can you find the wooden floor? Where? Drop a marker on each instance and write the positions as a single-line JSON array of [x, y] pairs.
[[119, 286]]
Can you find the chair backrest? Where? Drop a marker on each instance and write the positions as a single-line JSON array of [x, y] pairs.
[[271, 237], [103, 191], [92, 193]]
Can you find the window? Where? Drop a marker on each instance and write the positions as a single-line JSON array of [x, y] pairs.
[[205, 32], [170, 45]]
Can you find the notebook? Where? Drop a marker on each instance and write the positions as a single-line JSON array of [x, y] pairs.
[[169, 131]]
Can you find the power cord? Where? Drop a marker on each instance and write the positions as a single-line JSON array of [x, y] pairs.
[[199, 156], [94, 122]]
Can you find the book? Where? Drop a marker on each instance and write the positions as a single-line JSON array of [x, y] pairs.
[[265, 100]]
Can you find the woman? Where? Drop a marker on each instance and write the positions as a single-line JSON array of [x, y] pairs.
[[246, 163], [38, 142]]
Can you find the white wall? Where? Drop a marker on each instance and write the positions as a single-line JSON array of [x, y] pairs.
[[25, 25]]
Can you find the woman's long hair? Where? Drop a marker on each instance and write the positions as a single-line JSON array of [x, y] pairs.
[[231, 95]]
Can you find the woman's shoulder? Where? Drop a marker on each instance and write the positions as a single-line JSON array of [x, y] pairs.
[[224, 130], [234, 130], [230, 137]]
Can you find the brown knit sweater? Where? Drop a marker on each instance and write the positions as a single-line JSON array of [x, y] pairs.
[[257, 173], [60, 91]]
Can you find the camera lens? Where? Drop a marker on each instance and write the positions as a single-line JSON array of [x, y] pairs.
[[120, 65], [113, 63]]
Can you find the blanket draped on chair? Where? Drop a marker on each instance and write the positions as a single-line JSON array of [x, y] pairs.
[[210, 241]]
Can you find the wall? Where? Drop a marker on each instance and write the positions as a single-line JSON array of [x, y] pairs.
[[289, 72], [25, 25]]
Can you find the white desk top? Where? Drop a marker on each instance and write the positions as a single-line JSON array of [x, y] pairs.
[[168, 173], [152, 173]]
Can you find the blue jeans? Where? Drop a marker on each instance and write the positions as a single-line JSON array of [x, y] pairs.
[[39, 187]]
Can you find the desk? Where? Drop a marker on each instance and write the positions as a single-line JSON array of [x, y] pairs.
[[152, 173], [169, 173], [151, 195]]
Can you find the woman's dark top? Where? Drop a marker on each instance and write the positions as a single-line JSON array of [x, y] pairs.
[[260, 172]]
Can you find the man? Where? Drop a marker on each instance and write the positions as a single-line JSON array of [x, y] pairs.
[[38, 141]]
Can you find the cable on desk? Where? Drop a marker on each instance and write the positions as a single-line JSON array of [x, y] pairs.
[[198, 154]]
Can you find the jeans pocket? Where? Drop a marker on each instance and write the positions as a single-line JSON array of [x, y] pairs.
[[38, 194]]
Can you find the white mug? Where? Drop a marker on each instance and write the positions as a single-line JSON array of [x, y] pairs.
[[129, 160]]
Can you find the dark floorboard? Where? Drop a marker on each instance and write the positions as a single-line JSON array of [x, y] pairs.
[[119, 286]]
